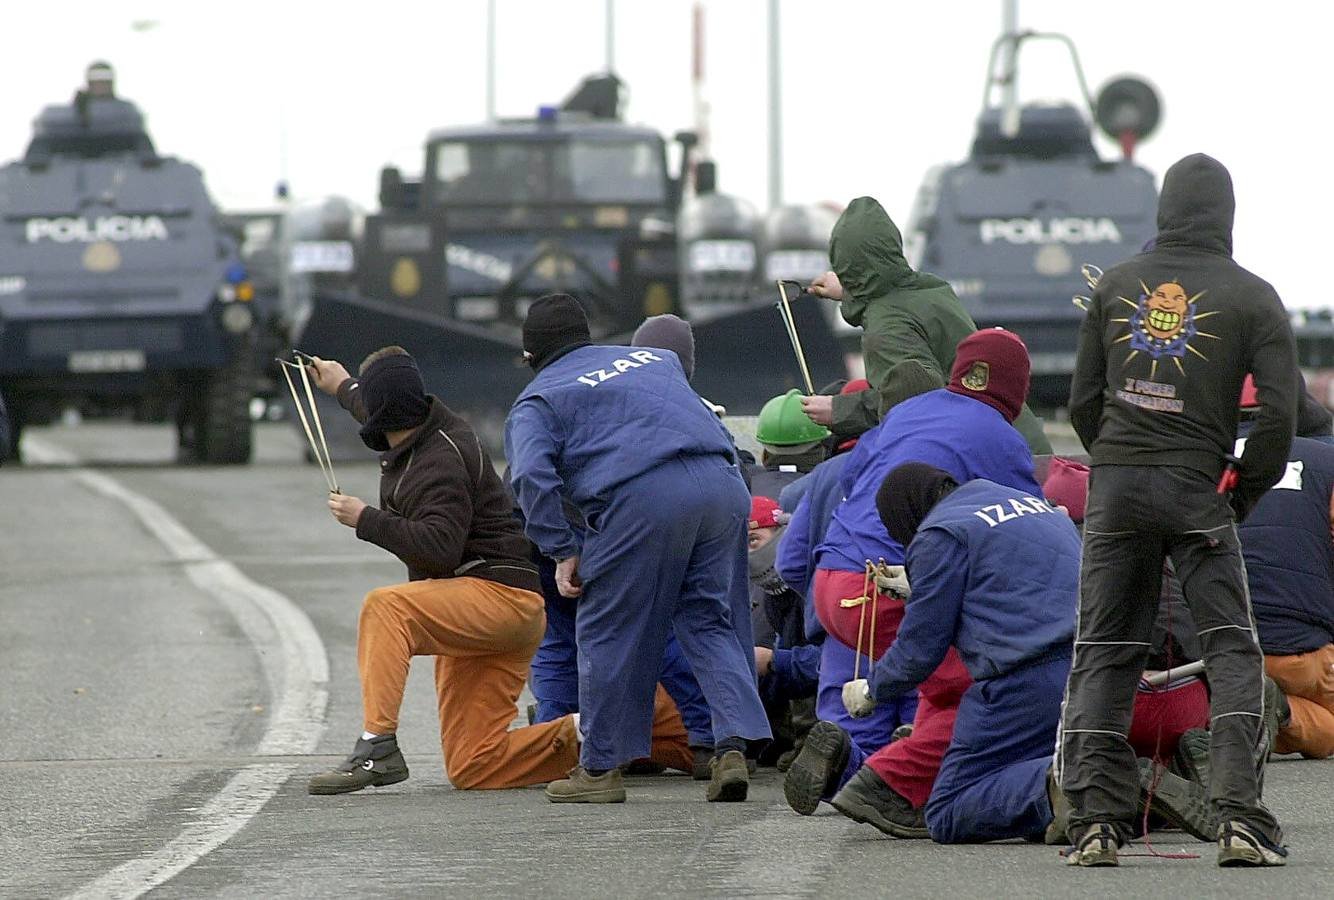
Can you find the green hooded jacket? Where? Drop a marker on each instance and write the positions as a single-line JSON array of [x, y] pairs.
[[904, 315]]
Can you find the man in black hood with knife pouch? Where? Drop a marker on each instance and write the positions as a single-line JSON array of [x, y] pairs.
[[1169, 338]]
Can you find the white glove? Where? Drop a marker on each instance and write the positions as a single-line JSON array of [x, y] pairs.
[[857, 699], [893, 580]]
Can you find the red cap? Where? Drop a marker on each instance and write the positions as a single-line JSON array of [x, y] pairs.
[[1249, 398], [856, 386], [1067, 485], [764, 513], [992, 365]]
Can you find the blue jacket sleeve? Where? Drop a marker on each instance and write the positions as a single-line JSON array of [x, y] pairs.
[[938, 572], [534, 438], [794, 549]]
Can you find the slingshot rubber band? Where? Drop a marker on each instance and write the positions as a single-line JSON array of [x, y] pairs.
[[325, 464]]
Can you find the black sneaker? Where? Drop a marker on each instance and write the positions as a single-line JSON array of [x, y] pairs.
[[1096, 847], [1191, 761], [814, 773], [1241, 845], [867, 799], [373, 763], [1181, 803]]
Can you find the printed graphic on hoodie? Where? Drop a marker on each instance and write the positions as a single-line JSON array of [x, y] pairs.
[[1162, 327]]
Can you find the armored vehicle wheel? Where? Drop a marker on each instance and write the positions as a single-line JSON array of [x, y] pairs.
[[224, 432]]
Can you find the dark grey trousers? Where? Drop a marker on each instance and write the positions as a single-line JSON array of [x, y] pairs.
[[1136, 515]]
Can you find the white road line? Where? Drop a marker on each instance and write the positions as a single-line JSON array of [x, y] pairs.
[[295, 667]]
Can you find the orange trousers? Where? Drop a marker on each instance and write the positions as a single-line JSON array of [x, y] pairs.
[[1308, 681], [483, 636]]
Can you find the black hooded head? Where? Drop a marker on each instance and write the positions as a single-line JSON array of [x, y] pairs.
[[1196, 206], [555, 325], [908, 493], [392, 391]]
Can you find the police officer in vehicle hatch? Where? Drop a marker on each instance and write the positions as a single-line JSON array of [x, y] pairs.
[[619, 432]]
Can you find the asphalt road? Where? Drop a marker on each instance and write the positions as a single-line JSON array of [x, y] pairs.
[[164, 636]]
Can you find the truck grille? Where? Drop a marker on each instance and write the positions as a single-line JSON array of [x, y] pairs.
[[63, 339]]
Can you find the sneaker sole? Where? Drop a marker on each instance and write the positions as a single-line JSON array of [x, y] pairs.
[[866, 815], [604, 796], [731, 791], [811, 771], [326, 790], [1093, 860], [1192, 816]]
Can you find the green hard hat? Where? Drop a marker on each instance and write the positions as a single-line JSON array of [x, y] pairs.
[[783, 424]]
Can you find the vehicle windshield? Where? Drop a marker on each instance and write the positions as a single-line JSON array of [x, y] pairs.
[[498, 172]]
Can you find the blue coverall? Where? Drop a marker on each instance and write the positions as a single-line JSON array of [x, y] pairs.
[[554, 674], [621, 434], [995, 572]]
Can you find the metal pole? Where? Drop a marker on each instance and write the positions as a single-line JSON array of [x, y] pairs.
[[490, 59], [610, 36], [775, 111], [1010, 26]]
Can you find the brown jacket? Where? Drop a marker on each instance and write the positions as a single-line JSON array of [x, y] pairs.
[[443, 510]]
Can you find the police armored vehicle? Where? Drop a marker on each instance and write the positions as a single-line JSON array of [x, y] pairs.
[[118, 289], [1011, 226], [572, 200]]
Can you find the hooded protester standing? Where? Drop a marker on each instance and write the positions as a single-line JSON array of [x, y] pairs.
[[964, 429], [994, 574], [472, 597], [620, 433], [1168, 338], [904, 315]]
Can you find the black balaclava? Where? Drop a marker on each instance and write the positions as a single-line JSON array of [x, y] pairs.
[[907, 495], [556, 324], [395, 399]]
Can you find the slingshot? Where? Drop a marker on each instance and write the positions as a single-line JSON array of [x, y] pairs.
[[785, 310], [321, 450]]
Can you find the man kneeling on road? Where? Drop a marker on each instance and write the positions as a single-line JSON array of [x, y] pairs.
[[472, 601], [995, 573]]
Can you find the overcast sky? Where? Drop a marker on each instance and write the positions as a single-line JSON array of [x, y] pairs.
[[874, 93]]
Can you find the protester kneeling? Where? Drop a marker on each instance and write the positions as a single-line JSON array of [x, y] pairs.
[[994, 573], [472, 599]]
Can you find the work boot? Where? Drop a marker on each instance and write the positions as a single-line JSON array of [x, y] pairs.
[[1056, 834], [580, 787], [1241, 845], [815, 772], [702, 771], [373, 763], [867, 799], [729, 781], [1191, 761], [1278, 714], [1095, 847], [1177, 801]]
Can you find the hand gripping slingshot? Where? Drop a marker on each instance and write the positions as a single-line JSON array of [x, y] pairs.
[[785, 310], [319, 450]]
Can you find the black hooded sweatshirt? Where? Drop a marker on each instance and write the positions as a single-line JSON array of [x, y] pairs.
[[1169, 338]]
